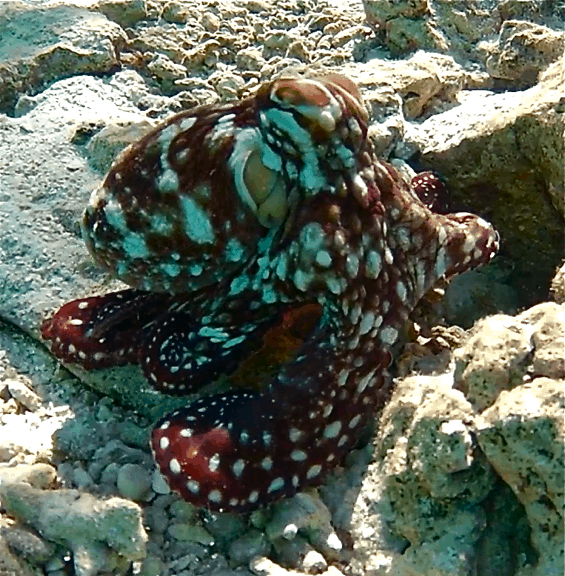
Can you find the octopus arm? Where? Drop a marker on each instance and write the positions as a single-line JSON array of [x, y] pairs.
[[191, 346], [237, 451], [102, 331]]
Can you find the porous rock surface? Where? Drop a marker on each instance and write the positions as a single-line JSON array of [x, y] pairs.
[[465, 473]]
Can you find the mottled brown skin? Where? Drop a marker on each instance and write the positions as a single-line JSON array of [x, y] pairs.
[[231, 219]]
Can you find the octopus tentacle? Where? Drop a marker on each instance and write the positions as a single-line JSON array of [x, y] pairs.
[[103, 331]]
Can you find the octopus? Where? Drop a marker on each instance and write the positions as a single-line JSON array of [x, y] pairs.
[[235, 224]]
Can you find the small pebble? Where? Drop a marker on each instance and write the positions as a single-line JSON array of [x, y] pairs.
[[81, 478], [314, 563], [27, 544], [253, 543], [152, 566], [109, 475], [24, 395], [159, 484], [133, 482], [156, 519], [188, 533], [182, 511], [54, 564]]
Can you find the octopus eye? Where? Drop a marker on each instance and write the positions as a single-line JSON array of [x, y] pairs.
[[267, 189]]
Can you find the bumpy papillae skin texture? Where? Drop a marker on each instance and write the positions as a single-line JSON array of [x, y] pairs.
[[224, 220]]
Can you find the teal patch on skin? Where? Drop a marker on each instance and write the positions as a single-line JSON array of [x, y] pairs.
[[311, 176], [282, 265], [161, 225], [208, 332], [196, 269], [312, 237], [270, 158], [134, 246], [234, 341], [168, 181], [234, 251], [269, 295], [115, 215], [196, 223], [171, 269], [345, 155], [239, 284]]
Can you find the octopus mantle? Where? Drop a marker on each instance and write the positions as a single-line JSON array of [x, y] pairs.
[[231, 220]]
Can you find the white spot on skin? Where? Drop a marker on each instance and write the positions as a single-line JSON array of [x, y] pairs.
[[352, 265], [83, 305], [342, 440], [246, 141], [275, 485], [401, 291], [373, 264], [75, 321], [354, 421], [174, 466], [214, 462], [313, 471], [294, 434], [253, 497], [342, 378], [355, 313], [267, 463], [366, 323], [302, 279], [238, 467], [333, 285], [388, 335], [186, 432], [215, 496], [441, 263], [187, 123], [193, 486], [323, 259], [298, 455], [332, 430], [164, 443], [364, 382]]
